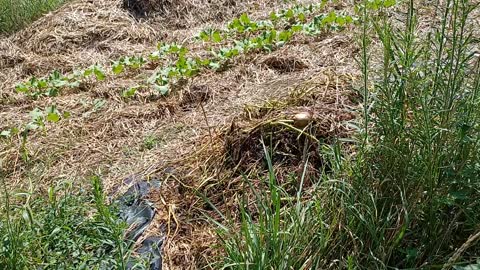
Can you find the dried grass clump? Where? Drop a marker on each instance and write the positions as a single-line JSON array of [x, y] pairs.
[[83, 24], [285, 64], [291, 145], [188, 13], [10, 54]]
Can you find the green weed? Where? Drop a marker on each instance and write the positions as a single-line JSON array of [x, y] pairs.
[[420, 170], [409, 198], [70, 228], [15, 14], [276, 230], [150, 142]]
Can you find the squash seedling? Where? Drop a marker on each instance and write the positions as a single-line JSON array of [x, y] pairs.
[[38, 120]]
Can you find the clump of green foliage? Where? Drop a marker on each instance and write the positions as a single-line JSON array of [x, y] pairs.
[[15, 14], [417, 175], [39, 118], [409, 198], [70, 228]]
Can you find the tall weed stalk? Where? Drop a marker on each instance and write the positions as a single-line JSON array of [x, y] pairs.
[[421, 168], [409, 198]]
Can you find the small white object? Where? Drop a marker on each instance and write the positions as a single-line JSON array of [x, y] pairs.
[[301, 120]]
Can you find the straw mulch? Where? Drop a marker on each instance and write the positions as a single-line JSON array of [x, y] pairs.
[[203, 136]]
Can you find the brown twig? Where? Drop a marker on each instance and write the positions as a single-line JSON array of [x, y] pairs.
[[470, 242]]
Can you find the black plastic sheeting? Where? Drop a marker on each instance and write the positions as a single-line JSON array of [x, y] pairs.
[[138, 213]]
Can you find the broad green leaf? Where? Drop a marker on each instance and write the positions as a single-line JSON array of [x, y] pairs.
[[117, 68], [51, 109], [99, 74], [6, 133], [289, 14], [273, 16], [53, 117], [202, 62], [139, 61], [238, 27], [154, 56], [41, 84], [182, 51], [130, 92], [55, 75], [52, 92], [31, 126], [301, 17], [128, 61], [348, 19], [214, 65], [340, 21], [330, 18], [181, 63], [252, 26], [87, 72], [22, 88], [284, 36], [389, 3], [244, 18], [216, 36], [152, 79], [163, 89], [74, 84], [297, 28], [204, 36], [36, 114], [59, 83]]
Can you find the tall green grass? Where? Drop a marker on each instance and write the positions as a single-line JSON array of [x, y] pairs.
[[420, 175], [71, 228], [15, 14], [276, 230], [410, 196]]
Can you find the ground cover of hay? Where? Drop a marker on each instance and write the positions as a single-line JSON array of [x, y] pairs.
[[184, 140]]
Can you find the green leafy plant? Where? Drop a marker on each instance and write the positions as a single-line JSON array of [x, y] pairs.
[[150, 142], [48, 86], [38, 120], [127, 62], [67, 228]]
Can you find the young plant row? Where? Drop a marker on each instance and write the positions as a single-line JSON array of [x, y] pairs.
[[244, 25], [38, 121], [293, 19], [266, 40]]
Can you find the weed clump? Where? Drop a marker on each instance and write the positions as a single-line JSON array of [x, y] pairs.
[[17, 14], [406, 196], [69, 228]]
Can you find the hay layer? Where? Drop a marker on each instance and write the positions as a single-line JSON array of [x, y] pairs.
[[186, 140]]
